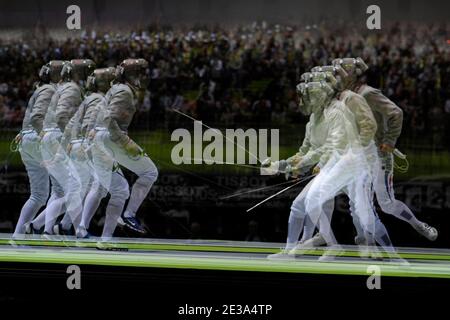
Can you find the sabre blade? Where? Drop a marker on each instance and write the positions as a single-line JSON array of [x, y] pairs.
[[224, 162], [280, 192], [258, 189], [234, 164], [273, 196], [218, 131], [399, 154], [401, 168]]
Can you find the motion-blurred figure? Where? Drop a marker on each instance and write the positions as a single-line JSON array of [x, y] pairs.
[[389, 119], [64, 179], [111, 131], [29, 142], [106, 175]]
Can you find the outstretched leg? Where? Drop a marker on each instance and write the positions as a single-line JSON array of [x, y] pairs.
[[384, 191]]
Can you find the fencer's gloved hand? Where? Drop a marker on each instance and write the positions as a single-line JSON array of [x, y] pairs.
[[91, 135], [316, 170], [384, 147], [133, 149], [18, 138], [294, 160], [293, 171], [274, 167], [15, 143], [282, 165], [78, 153], [81, 154]]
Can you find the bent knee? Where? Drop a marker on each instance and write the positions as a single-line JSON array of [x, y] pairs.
[[40, 195], [298, 208], [120, 192], [99, 189], [387, 206], [150, 176], [39, 198], [296, 213]]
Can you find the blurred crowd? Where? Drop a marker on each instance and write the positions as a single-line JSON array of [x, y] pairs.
[[248, 74]]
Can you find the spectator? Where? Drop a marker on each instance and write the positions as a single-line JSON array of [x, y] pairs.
[[244, 74]]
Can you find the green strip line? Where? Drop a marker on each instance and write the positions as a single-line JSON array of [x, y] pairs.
[[256, 265], [211, 248]]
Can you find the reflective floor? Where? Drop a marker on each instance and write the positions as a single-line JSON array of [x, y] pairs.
[[220, 255]]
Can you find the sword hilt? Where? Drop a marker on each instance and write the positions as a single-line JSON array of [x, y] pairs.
[[399, 154]]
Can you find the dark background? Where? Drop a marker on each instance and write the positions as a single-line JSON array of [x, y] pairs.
[[51, 13]]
